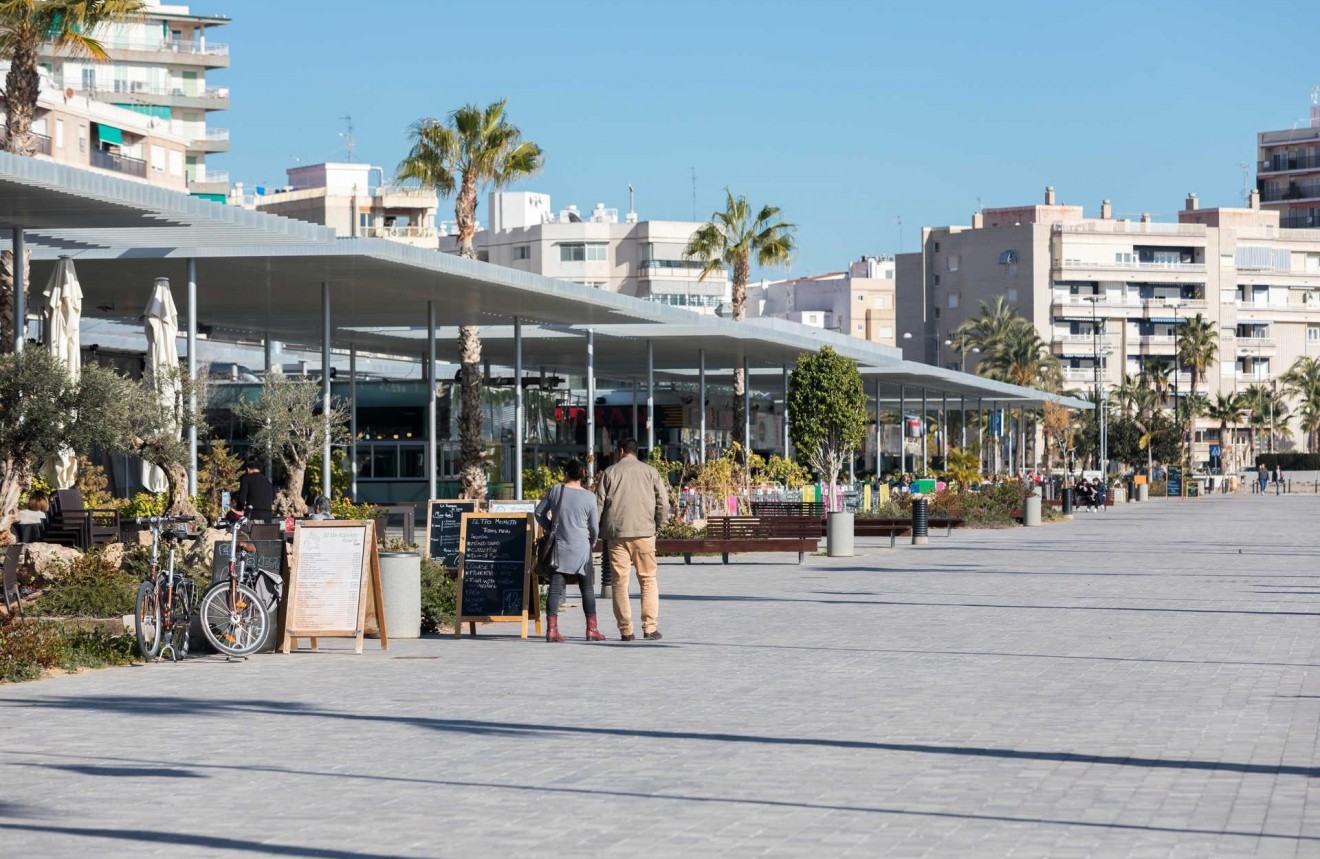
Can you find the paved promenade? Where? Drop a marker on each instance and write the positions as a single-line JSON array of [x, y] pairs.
[[1143, 682]]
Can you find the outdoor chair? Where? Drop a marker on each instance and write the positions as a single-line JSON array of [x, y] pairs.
[[72, 523]]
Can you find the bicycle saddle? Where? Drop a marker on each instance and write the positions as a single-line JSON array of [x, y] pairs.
[[245, 546], [177, 534]]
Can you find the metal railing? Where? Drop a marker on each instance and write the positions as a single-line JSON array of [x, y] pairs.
[[1179, 267], [405, 232], [1280, 163], [212, 177], [215, 134], [1250, 343], [1294, 191], [196, 47], [119, 163], [1148, 228]]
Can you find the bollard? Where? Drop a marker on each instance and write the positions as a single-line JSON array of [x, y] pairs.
[[839, 535], [1066, 507], [1143, 492], [920, 521], [401, 593], [1031, 510]]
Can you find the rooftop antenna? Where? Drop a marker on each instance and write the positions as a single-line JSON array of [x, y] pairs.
[[348, 135], [899, 221], [694, 192], [632, 209], [1246, 182], [1315, 106]]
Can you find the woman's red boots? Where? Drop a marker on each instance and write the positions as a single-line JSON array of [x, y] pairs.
[[593, 631], [552, 630]]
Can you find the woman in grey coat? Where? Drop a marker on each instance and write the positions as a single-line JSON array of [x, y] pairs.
[[572, 512]]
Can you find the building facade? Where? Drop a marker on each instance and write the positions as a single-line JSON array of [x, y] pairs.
[[353, 199], [157, 67], [73, 129], [1106, 294], [639, 258], [1288, 171], [858, 302]]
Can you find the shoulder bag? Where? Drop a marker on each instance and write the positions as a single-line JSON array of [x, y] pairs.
[[547, 555]]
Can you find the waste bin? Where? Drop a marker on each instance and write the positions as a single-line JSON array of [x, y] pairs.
[[839, 535], [1066, 506], [920, 521], [1031, 510], [1143, 491], [401, 592]]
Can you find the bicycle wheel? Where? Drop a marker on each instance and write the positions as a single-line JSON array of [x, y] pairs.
[[237, 629], [181, 618], [146, 619]]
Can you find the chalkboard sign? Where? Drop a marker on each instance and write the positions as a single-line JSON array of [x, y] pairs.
[[495, 581], [270, 557], [334, 570], [443, 526], [511, 506], [1175, 481]]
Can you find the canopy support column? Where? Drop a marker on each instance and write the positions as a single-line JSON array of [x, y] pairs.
[[902, 430], [962, 422], [925, 453], [591, 403], [192, 371], [747, 410], [980, 433], [944, 429], [787, 438], [634, 410], [431, 461], [352, 423], [701, 403], [268, 349], [879, 434], [20, 289], [650, 395], [327, 486], [517, 409]]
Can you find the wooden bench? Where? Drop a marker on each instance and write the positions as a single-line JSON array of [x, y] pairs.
[[726, 535], [946, 522], [871, 527]]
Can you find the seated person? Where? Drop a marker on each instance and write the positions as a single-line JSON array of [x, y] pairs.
[[321, 508], [31, 522]]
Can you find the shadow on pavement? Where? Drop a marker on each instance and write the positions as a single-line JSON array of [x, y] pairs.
[[184, 839]]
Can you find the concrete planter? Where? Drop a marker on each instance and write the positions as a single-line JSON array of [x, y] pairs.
[[401, 591], [839, 535]]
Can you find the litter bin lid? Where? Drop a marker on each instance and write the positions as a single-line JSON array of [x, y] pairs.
[[400, 554]]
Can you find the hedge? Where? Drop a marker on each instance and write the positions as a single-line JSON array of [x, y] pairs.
[[1290, 461]]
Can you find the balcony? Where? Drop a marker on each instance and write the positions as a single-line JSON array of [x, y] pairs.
[[140, 92], [1149, 341], [213, 140], [401, 233], [1079, 374], [1088, 265], [183, 52], [1294, 191], [1250, 345], [119, 163], [1147, 228], [1282, 163]]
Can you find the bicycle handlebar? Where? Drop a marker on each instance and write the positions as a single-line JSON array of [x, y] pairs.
[[162, 520]]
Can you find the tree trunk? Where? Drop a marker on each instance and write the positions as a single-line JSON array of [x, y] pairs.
[[465, 215], [21, 88], [289, 500], [180, 501], [471, 449], [8, 306], [14, 479]]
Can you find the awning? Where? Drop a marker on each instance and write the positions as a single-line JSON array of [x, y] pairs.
[[109, 134]]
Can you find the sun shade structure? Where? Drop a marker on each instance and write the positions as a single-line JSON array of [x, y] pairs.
[[257, 277]]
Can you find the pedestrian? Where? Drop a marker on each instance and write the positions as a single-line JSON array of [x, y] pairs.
[[255, 492], [634, 504], [321, 509], [1100, 490], [1278, 478], [1262, 476], [570, 510]]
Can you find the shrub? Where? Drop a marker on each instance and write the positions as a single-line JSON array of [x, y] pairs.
[[27, 646], [343, 508], [439, 596], [1291, 461], [88, 587], [146, 504], [539, 480]]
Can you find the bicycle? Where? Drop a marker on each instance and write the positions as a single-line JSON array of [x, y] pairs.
[[235, 619], [164, 602]]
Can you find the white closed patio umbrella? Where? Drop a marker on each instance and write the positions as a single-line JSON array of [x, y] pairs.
[[62, 314], [162, 325]]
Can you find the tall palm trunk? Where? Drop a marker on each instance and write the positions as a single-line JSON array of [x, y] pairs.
[[21, 88], [741, 274], [471, 450]]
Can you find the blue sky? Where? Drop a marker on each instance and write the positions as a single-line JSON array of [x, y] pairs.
[[848, 115]]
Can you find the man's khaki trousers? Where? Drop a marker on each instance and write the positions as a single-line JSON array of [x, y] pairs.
[[636, 552]]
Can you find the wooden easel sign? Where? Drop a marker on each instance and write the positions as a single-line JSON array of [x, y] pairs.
[[334, 569], [495, 578], [444, 524]]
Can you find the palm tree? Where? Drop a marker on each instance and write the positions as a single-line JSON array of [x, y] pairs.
[[1197, 346], [999, 323], [1228, 410], [24, 26], [732, 239], [471, 148], [1155, 374], [1022, 358], [1303, 381], [1268, 412]]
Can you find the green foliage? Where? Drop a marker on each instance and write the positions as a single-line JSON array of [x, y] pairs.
[[963, 467], [828, 407], [94, 485], [88, 587], [218, 471], [735, 238], [287, 420], [439, 597], [340, 478], [343, 508], [790, 474], [38, 484], [676, 529], [146, 504], [28, 646], [540, 480], [1291, 461]]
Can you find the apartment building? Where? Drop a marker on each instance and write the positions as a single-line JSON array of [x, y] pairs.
[[1288, 171], [858, 302], [354, 199], [72, 129], [1110, 291], [634, 257], [157, 67]]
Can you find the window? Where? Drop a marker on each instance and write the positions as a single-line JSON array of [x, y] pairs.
[[937, 280], [861, 298], [59, 134], [1010, 295], [522, 252], [364, 220], [937, 247], [82, 138], [583, 252], [953, 300], [157, 158], [954, 262], [1313, 333], [88, 78], [176, 162]]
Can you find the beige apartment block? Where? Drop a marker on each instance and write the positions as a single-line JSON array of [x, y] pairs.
[[72, 129], [1111, 290], [858, 302], [354, 199], [1288, 171], [157, 67], [597, 248]]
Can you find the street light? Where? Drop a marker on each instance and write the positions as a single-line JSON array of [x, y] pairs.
[[907, 335], [1099, 359], [1175, 306]]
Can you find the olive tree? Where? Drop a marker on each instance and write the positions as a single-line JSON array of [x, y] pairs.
[[42, 410], [827, 412], [287, 420]]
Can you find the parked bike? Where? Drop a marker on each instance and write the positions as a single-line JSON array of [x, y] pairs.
[[236, 619], [163, 610]]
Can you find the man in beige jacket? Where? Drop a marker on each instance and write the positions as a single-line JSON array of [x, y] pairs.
[[634, 505]]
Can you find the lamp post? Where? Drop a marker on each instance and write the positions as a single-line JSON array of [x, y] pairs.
[[1177, 369], [907, 335]]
